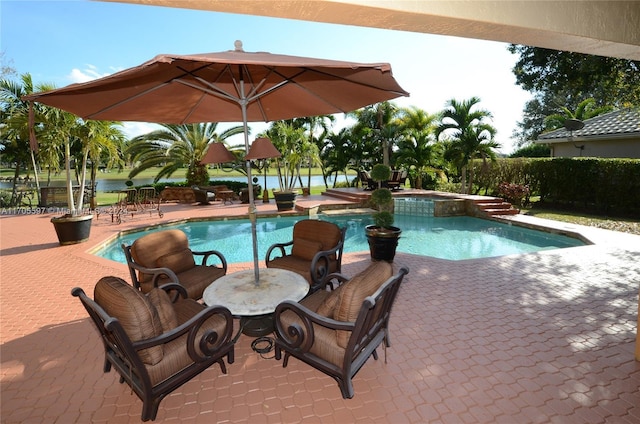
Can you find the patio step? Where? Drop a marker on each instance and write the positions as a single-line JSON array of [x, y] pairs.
[[358, 196], [495, 207]]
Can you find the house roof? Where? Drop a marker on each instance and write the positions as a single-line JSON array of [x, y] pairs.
[[621, 123]]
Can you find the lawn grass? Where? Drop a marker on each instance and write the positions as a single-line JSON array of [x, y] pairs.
[[627, 225]]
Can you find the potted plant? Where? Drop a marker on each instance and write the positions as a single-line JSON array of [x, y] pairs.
[[289, 142], [382, 235], [91, 139]]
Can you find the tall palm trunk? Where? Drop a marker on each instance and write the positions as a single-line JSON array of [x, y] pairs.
[[67, 168], [471, 175], [463, 180]]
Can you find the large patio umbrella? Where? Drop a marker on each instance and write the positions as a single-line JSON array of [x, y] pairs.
[[230, 86]]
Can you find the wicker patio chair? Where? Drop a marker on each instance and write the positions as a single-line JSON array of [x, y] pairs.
[[336, 331], [314, 251], [157, 345], [164, 256]]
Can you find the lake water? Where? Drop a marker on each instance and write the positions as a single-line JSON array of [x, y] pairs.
[[119, 184]]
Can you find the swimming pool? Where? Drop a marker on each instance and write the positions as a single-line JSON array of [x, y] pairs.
[[452, 238]]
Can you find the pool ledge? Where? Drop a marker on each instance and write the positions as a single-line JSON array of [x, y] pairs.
[[587, 234]]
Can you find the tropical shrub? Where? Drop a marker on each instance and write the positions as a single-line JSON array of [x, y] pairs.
[[514, 193]]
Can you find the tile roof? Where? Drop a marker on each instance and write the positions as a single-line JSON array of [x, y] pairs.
[[622, 122]]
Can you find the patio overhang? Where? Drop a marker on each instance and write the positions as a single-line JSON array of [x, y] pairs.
[[604, 28]]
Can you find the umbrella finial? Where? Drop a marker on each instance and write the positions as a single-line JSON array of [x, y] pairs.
[[238, 45]]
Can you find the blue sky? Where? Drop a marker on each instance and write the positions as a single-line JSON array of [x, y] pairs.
[[63, 42]]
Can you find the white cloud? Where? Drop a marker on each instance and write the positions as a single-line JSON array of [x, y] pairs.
[[133, 129], [90, 73]]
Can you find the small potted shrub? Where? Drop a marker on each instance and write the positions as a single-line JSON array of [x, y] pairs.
[[382, 235]]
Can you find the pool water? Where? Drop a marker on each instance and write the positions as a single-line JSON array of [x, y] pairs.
[[452, 238]]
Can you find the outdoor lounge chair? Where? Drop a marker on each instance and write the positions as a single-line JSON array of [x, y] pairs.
[[336, 331], [164, 256], [398, 178], [204, 195], [366, 181], [157, 345], [315, 251]]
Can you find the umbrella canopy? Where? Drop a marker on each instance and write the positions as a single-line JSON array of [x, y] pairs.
[[180, 89], [231, 86]]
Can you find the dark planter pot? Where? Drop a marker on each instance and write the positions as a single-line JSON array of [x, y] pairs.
[[382, 242], [72, 229], [285, 201]]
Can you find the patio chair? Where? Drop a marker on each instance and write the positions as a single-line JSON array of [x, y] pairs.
[[366, 181], [314, 251], [398, 178], [157, 345], [204, 195], [164, 256], [336, 331]]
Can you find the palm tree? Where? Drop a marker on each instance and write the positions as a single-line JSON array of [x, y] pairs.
[[337, 155], [467, 136], [15, 129], [417, 148], [290, 142], [586, 109], [100, 140], [314, 141], [176, 146], [379, 124]]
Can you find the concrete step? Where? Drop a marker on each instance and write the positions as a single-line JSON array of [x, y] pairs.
[[492, 212], [350, 196], [493, 205]]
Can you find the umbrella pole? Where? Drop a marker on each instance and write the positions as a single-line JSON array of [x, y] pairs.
[[252, 204]]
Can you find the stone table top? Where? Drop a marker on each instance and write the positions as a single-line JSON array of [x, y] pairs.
[[239, 293]]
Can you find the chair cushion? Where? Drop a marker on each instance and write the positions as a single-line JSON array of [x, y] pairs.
[[147, 249], [198, 278], [324, 339], [299, 266], [178, 261], [354, 291], [324, 232], [160, 300], [328, 305], [136, 314], [176, 357], [305, 249]]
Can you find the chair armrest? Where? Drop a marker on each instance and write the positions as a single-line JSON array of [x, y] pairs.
[[340, 278], [212, 253], [278, 246], [181, 292], [156, 273], [320, 266], [301, 337], [199, 348]]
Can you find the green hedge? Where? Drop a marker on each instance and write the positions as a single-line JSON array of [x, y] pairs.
[[603, 185]]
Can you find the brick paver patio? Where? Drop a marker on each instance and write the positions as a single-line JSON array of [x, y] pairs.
[[537, 338]]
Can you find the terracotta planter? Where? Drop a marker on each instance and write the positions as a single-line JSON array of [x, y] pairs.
[[382, 242], [72, 229]]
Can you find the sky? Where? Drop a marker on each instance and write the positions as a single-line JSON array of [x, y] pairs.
[[64, 42]]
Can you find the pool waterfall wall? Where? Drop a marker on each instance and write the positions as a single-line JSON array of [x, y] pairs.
[[419, 206]]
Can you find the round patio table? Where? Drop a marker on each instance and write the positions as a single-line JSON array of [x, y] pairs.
[[255, 303]]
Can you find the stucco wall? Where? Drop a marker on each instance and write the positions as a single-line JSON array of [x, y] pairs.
[[629, 148]]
